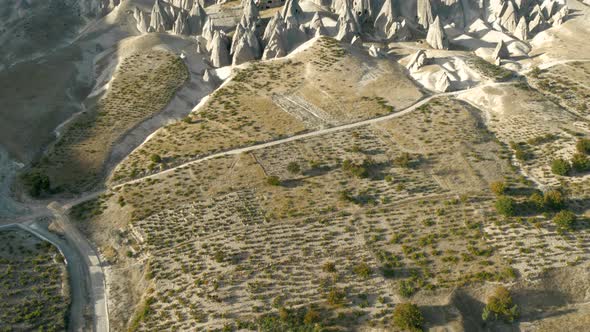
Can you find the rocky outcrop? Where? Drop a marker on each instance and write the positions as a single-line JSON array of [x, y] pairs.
[[250, 14], [522, 30], [538, 21], [274, 48], [501, 51], [317, 26], [208, 31], [197, 18], [436, 36], [443, 83], [417, 61], [238, 33], [509, 18], [424, 13], [292, 11], [385, 19], [160, 20], [549, 8], [374, 51], [348, 25], [219, 49], [356, 42], [276, 22], [141, 25], [558, 18], [244, 50], [364, 9], [181, 25]]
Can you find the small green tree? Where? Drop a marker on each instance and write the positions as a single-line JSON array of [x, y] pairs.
[[500, 306], [362, 270], [580, 162], [583, 145], [565, 220], [293, 167], [505, 206], [408, 317], [537, 201], [273, 180], [156, 158], [560, 167]]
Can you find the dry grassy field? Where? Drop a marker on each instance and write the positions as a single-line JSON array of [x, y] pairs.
[[406, 211], [34, 289], [142, 86], [274, 99]]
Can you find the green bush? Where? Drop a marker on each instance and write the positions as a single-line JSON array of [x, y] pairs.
[[500, 306], [554, 200], [293, 167], [580, 162], [505, 206], [156, 158], [565, 220], [498, 187], [560, 167], [408, 317], [583, 145], [273, 180]]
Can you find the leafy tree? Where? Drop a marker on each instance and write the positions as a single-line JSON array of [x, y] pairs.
[[293, 167], [560, 167], [335, 296], [583, 145], [408, 317], [505, 206], [500, 306], [37, 183], [537, 200], [565, 220]]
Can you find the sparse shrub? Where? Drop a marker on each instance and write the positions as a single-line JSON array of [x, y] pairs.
[[359, 171], [408, 317], [537, 200], [335, 296], [362, 270], [505, 206], [293, 167], [565, 220], [500, 306], [329, 267], [311, 316], [560, 167], [404, 160], [498, 187]]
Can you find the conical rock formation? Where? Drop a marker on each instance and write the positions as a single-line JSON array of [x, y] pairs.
[[348, 25], [385, 19], [436, 37], [274, 48], [219, 49], [501, 51], [424, 13], [522, 30], [196, 19], [160, 20]]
